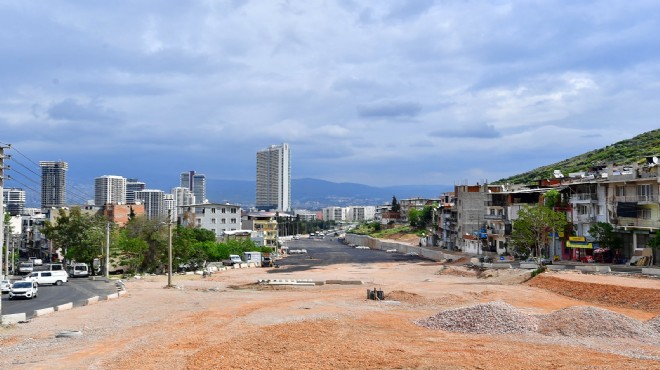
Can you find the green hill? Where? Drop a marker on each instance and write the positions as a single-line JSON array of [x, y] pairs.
[[624, 152]]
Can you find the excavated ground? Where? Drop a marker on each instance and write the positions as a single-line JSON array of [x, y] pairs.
[[433, 316]]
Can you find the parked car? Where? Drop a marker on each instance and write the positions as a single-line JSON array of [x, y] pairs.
[[36, 261], [48, 277], [78, 270], [23, 289], [266, 262], [25, 267], [5, 286]]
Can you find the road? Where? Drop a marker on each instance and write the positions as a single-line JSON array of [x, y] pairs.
[[328, 251], [77, 290]]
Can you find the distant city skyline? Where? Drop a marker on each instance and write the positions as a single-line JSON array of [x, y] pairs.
[[376, 93]]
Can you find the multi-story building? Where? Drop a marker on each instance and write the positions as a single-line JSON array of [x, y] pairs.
[[120, 214], [183, 196], [171, 209], [14, 200], [219, 218], [274, 178], [53, 184], [265, 225], [305, 215], [414, 203], [196, 183], [109, 189], [360, 213], [133, 185], [337, 214], [153, 201]]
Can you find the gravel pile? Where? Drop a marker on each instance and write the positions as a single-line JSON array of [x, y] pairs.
[[654, 323], [588, 321], [485, 318]]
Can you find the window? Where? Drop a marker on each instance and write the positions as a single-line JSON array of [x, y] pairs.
[[582, 209], [224, 220], [213, 220], [644, 213], [620, 191], [212, 210], [233, 210], [233, 220], [199, 222], [223, 210], [644, 192]]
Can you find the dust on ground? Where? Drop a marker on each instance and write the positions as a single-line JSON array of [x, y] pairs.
[[229, 321]]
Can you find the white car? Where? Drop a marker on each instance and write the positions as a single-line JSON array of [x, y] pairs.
[[23, 289], [48, 277], [5, 286]]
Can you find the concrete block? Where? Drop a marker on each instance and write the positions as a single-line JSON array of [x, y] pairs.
[[91, 301], [121, 293], [64, 307], [556, 267], [14, 318], [651, 271], [474, 260], [113, 296], [529, 265], [44, 311], [593, 268], [501, 266]]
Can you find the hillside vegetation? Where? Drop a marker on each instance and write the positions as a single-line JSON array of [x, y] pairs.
[[624, 152]]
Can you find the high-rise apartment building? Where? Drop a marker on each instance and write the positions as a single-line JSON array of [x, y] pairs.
[[109, 190], [133, 185], [14, 201], [53, 183], [196, 183], [153, 201], [274, 178]]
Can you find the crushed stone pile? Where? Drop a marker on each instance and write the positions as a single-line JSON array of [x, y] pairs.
[[485, 318], [654, 323], [589, 321]]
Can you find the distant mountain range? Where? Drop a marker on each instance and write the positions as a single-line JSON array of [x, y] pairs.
[[624, 152], [315, 194]]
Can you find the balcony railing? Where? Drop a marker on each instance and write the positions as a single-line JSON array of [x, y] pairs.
[[494, 217], [637, 222], [584, 197], [496, 203], [637, 198], [586, 218]]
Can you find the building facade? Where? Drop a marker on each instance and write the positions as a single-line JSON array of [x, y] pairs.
[[14, 200], [53, 184], [153, 201], [196, 183], [133, 185], [109, 190], [274, 178]]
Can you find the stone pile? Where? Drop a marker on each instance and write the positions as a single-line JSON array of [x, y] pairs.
[[486, 318], [588, 321], [654, 323]]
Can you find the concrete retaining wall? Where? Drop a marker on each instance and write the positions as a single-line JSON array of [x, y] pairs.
[[593, 268], [91, 301], [383, 245], [651, 271]]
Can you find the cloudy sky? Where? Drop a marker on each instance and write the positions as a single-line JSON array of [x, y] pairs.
[[372, 92]]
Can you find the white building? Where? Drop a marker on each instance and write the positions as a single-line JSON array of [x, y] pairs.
[[334, 213], [14, 200], [183, 196], [274, 178], [360, 213], [219, 218], [154, 202], [109, 189]]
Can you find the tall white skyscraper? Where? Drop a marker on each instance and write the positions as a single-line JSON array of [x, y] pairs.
[[196, 183], [53, 183], [109, 189], [274, 178]]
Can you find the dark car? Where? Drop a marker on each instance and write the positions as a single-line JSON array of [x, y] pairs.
[[266, 262]]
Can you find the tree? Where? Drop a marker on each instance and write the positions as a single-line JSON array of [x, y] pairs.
[[552, 198], [396, 207], [604, 235], [654, 243], [80, 235], [532, 227]]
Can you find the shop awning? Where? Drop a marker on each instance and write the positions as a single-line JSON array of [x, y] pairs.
[[583, 245]]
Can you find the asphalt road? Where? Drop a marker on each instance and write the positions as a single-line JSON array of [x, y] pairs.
[[328, 251], [77, 290]]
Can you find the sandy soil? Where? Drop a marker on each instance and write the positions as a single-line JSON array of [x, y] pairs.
[[229, 321]]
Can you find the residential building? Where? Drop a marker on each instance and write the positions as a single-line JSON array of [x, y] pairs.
[[14, 200], [414, 203], [337, 214], [53, 184], [153, 201], [120, 214], [109, 189], [360, 213], [265, 225], [273, 179], [305, 215], [216, 217], [133, 185], [196, 183], [170, 204]]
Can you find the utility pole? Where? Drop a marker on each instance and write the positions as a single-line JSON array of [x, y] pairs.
[[169, 248], [107, 250], [2, 203]]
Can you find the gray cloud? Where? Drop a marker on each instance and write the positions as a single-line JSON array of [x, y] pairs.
[[390, 109], [477, 131], [72, 110]]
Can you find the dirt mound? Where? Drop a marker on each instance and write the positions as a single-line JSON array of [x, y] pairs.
[[485, 318], [605, 294], [588, 321], [407, 297], [461, 271]]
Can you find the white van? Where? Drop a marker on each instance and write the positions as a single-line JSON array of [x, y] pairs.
[[48, 277], [78, 270]]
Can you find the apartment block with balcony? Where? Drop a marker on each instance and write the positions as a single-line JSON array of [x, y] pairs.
[[216, 217]]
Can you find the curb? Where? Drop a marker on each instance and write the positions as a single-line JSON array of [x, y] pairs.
[[43, 311], [91, 301], [14, 318], [64, 307]]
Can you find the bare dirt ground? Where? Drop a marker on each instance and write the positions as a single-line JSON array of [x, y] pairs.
[[229, 321]]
